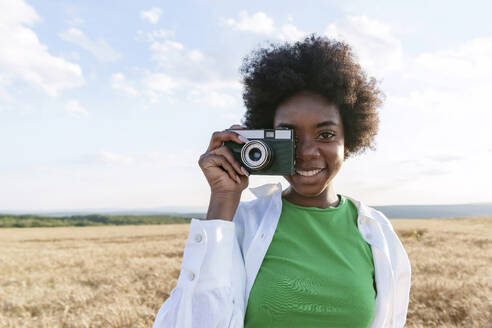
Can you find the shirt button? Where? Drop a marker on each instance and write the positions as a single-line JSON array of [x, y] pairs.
[[191, 276], [262, 235], [233, 301], [368, 236], [362, 220], [198, 238]]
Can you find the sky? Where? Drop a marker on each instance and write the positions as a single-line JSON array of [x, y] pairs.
[[110, 105]]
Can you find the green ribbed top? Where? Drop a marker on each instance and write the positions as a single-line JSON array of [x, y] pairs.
[[318, 271]]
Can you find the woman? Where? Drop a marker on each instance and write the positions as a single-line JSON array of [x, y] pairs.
[[305, 256]]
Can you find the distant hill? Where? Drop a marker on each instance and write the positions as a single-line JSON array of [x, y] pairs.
[[436, 211]]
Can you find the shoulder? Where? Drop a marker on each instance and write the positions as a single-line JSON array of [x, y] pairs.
[[382, 226], [380, 217], [384, 223], [251, 211], [370, 212]]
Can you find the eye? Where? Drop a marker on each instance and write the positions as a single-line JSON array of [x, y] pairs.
[[326, 135]]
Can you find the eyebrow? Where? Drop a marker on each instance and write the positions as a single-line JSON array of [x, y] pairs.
[[319, 125]]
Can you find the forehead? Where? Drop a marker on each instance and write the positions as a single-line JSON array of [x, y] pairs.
[[306, 109]]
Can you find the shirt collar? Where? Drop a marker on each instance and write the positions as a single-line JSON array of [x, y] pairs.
[[272, 188], [266, 190]]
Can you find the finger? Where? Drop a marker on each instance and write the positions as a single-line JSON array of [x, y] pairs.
[[226, 152], [237, 127], [218, 138], [222, 162], [209, 160]]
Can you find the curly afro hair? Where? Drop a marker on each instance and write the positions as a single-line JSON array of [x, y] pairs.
[[319, 65]]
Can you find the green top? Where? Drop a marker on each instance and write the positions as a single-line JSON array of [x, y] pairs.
[[318, 271]]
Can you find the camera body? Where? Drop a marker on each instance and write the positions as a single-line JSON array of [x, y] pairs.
[[268, 152]]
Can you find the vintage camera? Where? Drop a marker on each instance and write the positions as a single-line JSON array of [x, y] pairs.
[[268, 152]]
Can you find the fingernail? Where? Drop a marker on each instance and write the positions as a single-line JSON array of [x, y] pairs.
[[243, 139], [238, 179], [246, 173]]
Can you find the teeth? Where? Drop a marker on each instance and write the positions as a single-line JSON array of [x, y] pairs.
[[309, 173]]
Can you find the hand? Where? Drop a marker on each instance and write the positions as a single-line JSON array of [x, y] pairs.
[[227, 179], [224, 174]]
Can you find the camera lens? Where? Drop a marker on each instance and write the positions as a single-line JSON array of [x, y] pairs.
[[255, 154]]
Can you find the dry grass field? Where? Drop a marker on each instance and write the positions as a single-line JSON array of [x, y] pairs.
[[119, 276]]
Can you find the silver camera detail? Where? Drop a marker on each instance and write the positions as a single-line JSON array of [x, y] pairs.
[[256, 155]]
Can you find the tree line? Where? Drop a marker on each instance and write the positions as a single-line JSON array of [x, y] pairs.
[[31, 220]]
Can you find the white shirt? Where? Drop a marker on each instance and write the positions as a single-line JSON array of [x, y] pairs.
[[222, 258]]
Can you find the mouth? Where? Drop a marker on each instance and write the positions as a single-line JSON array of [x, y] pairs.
[[309, 173]]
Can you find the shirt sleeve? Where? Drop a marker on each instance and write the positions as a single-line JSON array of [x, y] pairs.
[[204, 295], [402, 270]]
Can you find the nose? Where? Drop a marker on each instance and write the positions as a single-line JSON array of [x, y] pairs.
[[306, 149]]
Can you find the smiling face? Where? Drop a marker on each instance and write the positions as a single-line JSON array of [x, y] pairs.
[[319, 136]]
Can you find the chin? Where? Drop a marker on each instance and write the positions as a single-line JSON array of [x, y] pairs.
[[306, 189]]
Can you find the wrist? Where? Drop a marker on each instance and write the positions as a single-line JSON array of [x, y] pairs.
[[223, 206]]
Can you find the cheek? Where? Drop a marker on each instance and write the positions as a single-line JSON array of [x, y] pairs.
[[334, 156]]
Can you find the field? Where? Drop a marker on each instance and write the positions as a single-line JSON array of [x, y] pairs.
[[118, 276]]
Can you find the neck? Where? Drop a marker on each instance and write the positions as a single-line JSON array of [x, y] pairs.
[[325, 199]]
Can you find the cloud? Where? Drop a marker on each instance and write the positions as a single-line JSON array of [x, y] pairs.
[[75, 109], [469, 61], [443, 158], [154, 35], [189, 69], [215, 99], [379, 51], [233, 117], [180, 69], [215, 84], [261, 23], [257, 23], [99, 48], [440, 114], [164, 160], [174, 56], [289, 32], [164, 49], [152, 15], [25, 58], [433, 172], [75, 21], [112, 158], [119, 82], [158, 84], [196, 55]]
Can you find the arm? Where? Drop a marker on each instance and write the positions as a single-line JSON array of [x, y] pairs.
[[210, 288], [402, 272], [400, 265], [211, 285]]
